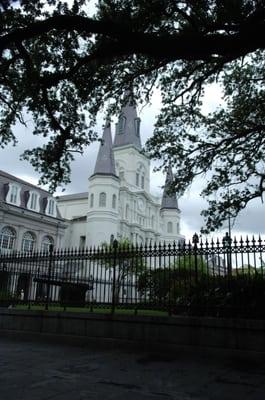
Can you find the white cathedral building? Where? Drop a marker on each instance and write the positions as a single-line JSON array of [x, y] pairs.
[[118, 203]]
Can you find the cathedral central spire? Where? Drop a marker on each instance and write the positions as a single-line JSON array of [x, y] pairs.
[[128, 126], [105, 164]]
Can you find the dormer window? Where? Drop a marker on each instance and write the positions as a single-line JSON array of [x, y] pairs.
[[13, 195], [33, 201], [50, 208]]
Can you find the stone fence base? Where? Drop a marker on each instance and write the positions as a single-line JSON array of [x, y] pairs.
[[145, 331]]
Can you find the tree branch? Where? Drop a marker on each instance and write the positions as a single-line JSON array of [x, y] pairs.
[[172, 46]]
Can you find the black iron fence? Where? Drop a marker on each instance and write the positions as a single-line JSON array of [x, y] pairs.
[[221, 278]]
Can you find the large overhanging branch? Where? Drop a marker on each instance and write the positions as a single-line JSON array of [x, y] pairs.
[[174, 46]]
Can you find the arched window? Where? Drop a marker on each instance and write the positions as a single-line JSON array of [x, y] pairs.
[[121, 124], [142, 181], [7, 238], [177, 227], [137, 179], [28, 242], [121, 174], [91, 200], [47, 243], [114, 200], [169, 227], [102, 199]]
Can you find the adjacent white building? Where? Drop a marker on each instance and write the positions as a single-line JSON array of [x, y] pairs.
[[29, 217], [118, 202]]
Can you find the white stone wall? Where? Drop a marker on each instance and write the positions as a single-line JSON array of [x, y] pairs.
[[171, 226], [23, 221], [70, 209], [102, 221], [129, 160]]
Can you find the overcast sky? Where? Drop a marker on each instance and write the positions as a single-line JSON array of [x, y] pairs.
[[250, 221]]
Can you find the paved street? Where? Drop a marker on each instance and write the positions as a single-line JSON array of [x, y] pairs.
[[34, 370]]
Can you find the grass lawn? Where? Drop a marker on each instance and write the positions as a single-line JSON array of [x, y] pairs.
[[96, 309]]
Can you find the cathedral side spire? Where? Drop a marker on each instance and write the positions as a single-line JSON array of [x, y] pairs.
[[105, 164], [169, 200], [128, 126]]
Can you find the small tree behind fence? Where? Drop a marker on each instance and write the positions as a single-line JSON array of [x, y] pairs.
[[221, 278]]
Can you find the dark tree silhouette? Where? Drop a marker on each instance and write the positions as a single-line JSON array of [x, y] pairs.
[[63, 67]]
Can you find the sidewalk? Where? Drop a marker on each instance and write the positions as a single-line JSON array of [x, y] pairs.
[[41, 371]]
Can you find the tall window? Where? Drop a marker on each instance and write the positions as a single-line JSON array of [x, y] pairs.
[[50, 209], [33, 201], [169, 227], [142, 181], [114, 200], [7, 238], [91, 200], [47, 243], [137, 179], [28, 242], [102, 199], [177, 227], [82, 242], [14, 194], [121, 174]]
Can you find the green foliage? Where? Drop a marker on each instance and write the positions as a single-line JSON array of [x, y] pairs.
[[6, 296], [124, 256], [241, 296], [188, 264], [63, 68], [167, 284]]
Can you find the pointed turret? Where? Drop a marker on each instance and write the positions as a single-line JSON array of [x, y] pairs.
[[105, 164], [128, 126], [169, 200]]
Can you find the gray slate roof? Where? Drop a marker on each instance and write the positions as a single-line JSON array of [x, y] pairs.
[[105, 164], [169, 200], [74, 196], [128, 126], [6, 178]]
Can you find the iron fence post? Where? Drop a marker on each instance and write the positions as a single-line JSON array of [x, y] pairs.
[[115, 247], [49, 277], [195, 240]]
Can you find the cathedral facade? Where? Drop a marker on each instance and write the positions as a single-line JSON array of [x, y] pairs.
[[118, 203]]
